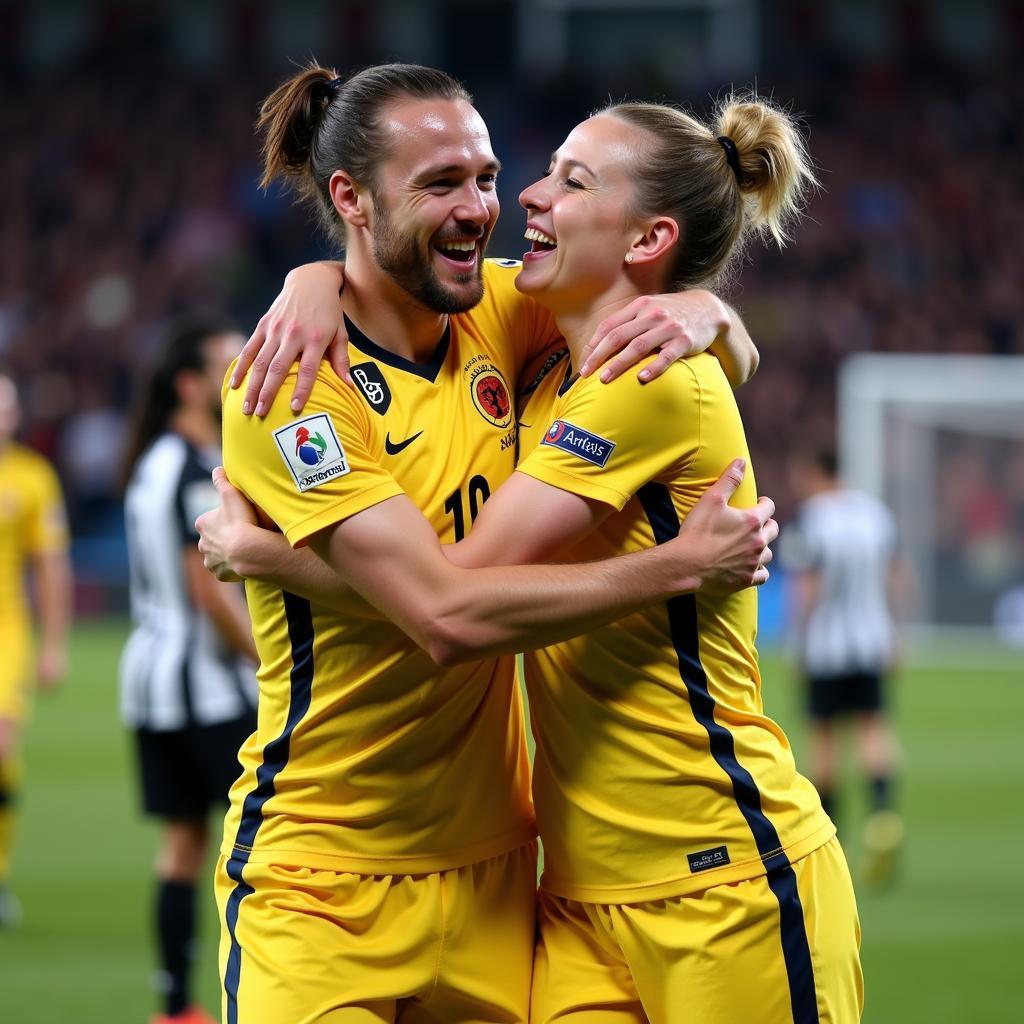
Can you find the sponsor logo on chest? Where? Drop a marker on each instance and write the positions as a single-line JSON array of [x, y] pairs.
[[489, 391]]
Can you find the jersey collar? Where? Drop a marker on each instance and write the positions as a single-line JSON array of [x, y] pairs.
[[570, 378], [428, 370]]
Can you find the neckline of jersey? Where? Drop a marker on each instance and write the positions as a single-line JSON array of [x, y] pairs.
[[428, 370], [570, 379]]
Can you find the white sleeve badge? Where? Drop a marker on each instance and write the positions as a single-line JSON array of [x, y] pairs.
[[312, 451]]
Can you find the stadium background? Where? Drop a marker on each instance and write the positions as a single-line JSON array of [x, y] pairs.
[[129, 193]]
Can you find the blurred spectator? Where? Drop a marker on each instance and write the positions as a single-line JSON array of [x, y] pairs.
[[135, 174]]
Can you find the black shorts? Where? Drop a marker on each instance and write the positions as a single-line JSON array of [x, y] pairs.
[[829, 696], [186, 771]]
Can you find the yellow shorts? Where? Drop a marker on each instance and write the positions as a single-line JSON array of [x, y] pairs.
[[300, 945], [782, 949], [15, 680]]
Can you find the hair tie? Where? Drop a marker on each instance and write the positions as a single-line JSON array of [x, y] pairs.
[[325, 89], [732, 155]]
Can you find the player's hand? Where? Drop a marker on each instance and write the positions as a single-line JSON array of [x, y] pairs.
[[733, 541], [222, 530], [679, 325], [304, 323], [51, 666]]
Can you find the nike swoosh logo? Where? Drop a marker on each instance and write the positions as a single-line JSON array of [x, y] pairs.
[[393, 447]]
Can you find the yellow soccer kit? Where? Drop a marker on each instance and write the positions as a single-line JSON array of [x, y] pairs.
[[657, 773], [709, 956], [345, 948], [31, 523], [368, 758]]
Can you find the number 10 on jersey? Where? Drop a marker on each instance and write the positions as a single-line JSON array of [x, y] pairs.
[[477, 492]]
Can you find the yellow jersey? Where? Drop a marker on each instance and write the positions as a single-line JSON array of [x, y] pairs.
[[368, 757], [657, 772], [32, 521]]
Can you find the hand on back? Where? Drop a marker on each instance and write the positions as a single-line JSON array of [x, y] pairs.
[[733, 542]]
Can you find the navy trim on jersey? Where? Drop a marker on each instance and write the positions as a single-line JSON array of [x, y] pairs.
[[682, 616], [275, 758], [233, 970], [570, 379], [549, 364], [428, 370], [795, 951]]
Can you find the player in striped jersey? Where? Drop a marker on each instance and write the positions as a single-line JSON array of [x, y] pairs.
[[378, 859], [847, 584], [33, 536], [188, 690]]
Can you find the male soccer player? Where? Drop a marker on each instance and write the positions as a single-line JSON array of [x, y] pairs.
[[188, 689], [378, 860], [33, 534], [847, 582]]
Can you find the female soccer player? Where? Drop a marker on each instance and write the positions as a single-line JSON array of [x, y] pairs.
[[691, 873]]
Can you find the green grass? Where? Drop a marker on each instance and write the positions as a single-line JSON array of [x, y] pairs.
[[945, 944]]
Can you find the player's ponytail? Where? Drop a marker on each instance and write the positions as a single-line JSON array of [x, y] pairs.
[[774, 168], [316, 123], [747, 173], [290, 118]]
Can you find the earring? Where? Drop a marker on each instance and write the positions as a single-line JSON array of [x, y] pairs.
[[629, 257]]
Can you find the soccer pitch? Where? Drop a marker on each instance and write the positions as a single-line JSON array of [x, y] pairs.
[[943, 944]]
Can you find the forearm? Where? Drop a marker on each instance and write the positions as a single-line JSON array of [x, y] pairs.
[[332, 272], [480, 612], [735, 349], [267, 556], [53, 586], [391, 556]]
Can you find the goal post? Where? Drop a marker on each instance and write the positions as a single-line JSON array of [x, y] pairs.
[[940, 439]]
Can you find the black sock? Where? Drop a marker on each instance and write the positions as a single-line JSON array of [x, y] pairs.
[[881, 792], [828, 801], [175, 925]]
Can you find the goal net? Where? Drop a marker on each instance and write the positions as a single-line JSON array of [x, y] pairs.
[[940, 439]]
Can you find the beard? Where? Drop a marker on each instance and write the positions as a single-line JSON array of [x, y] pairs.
[[399, 255]]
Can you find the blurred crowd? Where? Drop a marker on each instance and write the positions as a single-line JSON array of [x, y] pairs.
[[130, 194]]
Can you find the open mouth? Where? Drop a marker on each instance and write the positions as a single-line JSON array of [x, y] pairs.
[[458, 251], [540, 243]]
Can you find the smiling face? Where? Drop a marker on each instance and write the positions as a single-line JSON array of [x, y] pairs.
[[579, 221], [434, 202]]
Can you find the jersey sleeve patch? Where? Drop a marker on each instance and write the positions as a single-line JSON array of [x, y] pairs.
[[579, 442], [312, 452]]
